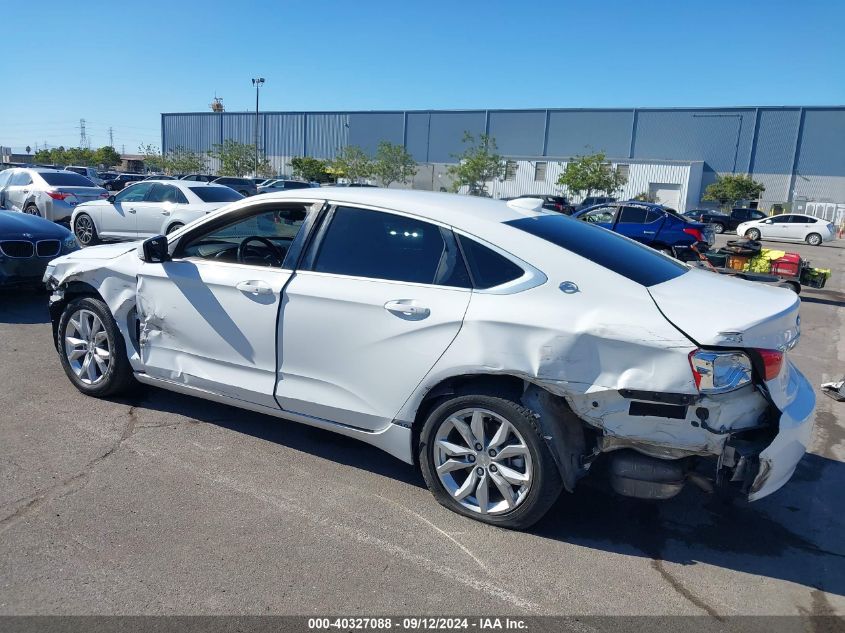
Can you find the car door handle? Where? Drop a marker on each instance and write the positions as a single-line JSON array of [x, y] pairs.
[[131, 210], [165, 212], [255, 287], [407, 309], [648, 232]]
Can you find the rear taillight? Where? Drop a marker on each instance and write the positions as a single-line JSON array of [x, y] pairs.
[[772, 363], [719, 372], [58, 195], [695, 233]]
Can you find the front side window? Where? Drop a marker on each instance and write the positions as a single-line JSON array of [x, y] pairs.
[[134, 193], [4, 176], [262, 239], [378, 245], [602, 215], [780, 219]]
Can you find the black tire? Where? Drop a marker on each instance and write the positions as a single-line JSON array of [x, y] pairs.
[[546, 483], [174, 227], [85, 230], [753, 234], [245, 194], [718, 227], [118, 378], [32, 209], [814, 239]]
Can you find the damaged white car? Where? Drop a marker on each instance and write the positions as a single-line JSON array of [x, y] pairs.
[[505, 351]]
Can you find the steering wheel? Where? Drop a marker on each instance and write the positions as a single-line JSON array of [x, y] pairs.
[[275, 251]]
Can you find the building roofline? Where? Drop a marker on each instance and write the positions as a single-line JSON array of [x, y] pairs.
[[750, 108]]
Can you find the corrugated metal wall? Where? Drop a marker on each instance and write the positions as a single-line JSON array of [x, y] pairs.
[[790, 149]]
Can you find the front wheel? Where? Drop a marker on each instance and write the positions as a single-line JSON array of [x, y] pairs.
[[174, 227], [814, 239], [753, 234], [92, 350], [85, 231], [718, 228], [483, 457]]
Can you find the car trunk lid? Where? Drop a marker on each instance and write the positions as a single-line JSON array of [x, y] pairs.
[[715, 310]]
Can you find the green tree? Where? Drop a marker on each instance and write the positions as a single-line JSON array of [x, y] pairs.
[[106, 156], [393, 163], [184, 161], [352, 163], [310, 169], [591, 174], [152, 158], [238, 159], [477, 165], [731, 188]]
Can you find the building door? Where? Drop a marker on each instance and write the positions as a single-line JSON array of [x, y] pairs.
[[667, 194]]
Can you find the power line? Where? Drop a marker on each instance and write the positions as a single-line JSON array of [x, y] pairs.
[[83, 140]]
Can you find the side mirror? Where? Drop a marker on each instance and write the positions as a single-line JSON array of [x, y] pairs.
[[154, 250], [110, 199]]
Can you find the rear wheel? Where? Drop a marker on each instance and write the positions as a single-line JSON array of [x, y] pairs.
[[718, 228], [174, 227], [483, 457], [85, 231], [31, 209], [753, 234], [92, 350], [814, 239]]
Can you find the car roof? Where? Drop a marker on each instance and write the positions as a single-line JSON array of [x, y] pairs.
[[446, 208]]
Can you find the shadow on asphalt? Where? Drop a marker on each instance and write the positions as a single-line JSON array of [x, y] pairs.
[[693, 528], [24, 305]]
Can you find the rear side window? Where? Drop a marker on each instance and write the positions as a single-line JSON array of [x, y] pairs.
[[377, 245], [216, 194], [21, 178], [68, 179], [625, 257], [633, 215], [488, 268]]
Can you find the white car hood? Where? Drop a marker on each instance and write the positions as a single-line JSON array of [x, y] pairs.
[[715, 310], [104, 251]]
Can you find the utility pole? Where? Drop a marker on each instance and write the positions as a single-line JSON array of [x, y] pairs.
[[111, 137], [83, 139], [257, 82]]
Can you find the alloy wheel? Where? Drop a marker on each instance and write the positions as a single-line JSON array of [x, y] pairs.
[[32, 210], [482, 461], [84, 229], [814, 239], [718, 228], [87, 347]]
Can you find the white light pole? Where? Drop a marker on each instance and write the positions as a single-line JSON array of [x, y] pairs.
[[257, 82]]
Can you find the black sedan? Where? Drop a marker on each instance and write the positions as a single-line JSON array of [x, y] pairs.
[[722, 222], [27, 244]]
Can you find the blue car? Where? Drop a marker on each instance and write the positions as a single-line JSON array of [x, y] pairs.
[[654, 225], [27, 244]]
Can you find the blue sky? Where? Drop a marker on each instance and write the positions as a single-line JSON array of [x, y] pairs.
[[121, 64]]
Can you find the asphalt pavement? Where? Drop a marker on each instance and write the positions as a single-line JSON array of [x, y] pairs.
[[165, 504]]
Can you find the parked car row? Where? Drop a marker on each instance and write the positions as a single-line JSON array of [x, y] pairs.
[[49, 193]]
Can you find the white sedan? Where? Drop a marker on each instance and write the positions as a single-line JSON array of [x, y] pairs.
[[789, 227], [148, 208], [503, 349]]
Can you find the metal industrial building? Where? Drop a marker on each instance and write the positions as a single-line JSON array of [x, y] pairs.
[[797, 152]]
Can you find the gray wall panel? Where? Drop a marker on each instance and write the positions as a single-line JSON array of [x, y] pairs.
[[368, 129], [325, 134], [519, 133], [416, 141], [575, 132], [285, 135], [823, 143], [447, 133], [777, 132], [708, 135]]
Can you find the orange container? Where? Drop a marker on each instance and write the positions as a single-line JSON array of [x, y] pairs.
[[737, 262]]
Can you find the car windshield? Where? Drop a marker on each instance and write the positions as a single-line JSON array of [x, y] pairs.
[[637, 262], [65, 179], [216, 194]]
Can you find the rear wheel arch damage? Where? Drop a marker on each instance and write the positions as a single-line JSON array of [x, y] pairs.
[[562, 431]]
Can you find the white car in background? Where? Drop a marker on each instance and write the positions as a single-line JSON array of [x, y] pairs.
[[789, 227], [148, 208], [503, 349]]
